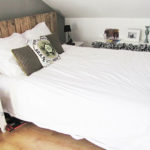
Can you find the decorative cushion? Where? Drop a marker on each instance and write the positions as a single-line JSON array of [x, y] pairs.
[[27, 60], [44, 50], [122, 46], [55, 43]]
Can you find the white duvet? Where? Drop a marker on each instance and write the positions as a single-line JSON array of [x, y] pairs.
[[98, 94]]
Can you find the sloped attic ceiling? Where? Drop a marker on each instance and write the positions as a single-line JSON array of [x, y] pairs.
[[102, 8]]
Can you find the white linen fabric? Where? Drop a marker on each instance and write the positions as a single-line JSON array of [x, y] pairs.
[[39, 30], [8, 64], [98, 94]]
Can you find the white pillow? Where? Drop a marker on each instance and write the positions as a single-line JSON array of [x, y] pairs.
[[14, 41], [34, 33], [8, 64]]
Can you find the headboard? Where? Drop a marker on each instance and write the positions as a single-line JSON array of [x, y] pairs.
[[20, 25]]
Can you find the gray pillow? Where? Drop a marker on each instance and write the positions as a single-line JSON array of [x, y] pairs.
[[55, 43], [27, 60]]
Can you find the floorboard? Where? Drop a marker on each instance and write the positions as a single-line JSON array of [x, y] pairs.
[[31, 137]]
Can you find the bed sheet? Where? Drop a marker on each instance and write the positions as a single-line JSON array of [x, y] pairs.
[[98, 94]]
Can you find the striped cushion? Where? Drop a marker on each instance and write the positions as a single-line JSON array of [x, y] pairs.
[[27, 60], [55, 43]]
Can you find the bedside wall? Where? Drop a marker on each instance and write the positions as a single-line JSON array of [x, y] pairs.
[[18, 8], [91, 29]]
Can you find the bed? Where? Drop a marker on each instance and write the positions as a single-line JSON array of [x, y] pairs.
[[101, 95]]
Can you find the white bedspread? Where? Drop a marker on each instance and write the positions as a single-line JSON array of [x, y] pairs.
[[98, 94]]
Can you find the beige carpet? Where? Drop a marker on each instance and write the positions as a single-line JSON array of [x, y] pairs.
[[31, 137]]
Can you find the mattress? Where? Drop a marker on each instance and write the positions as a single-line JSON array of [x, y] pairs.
[[98, 94]]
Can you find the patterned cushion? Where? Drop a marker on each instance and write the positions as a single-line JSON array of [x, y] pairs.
[[44, 50], [122, 46], [55, 43], [27, 59]]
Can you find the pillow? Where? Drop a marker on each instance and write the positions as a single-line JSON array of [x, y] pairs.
[[27, 60], [34, 33], [55, 43], [15, 40], [44, 50], [8, 64]]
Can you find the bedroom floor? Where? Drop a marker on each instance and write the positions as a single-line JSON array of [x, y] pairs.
[[31, 137]]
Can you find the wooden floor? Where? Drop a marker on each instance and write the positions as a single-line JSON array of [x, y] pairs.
[[31, 137]]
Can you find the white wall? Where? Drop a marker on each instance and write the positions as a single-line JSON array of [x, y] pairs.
[[91, 29]]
